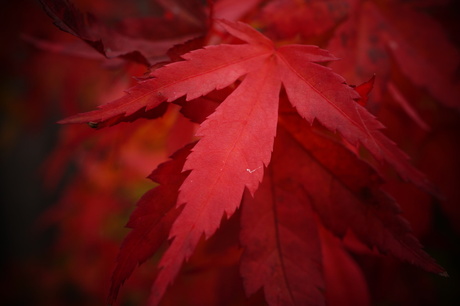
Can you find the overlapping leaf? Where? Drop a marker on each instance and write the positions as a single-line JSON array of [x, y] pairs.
[[122, 42], [363, 208], [282, 251], [152, 219], [307, 175]]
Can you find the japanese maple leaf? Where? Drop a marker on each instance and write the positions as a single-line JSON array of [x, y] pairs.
[[237, 139]]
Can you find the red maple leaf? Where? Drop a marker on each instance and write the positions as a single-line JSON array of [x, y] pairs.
[[132, 39], [152, 219], [307, 179]]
